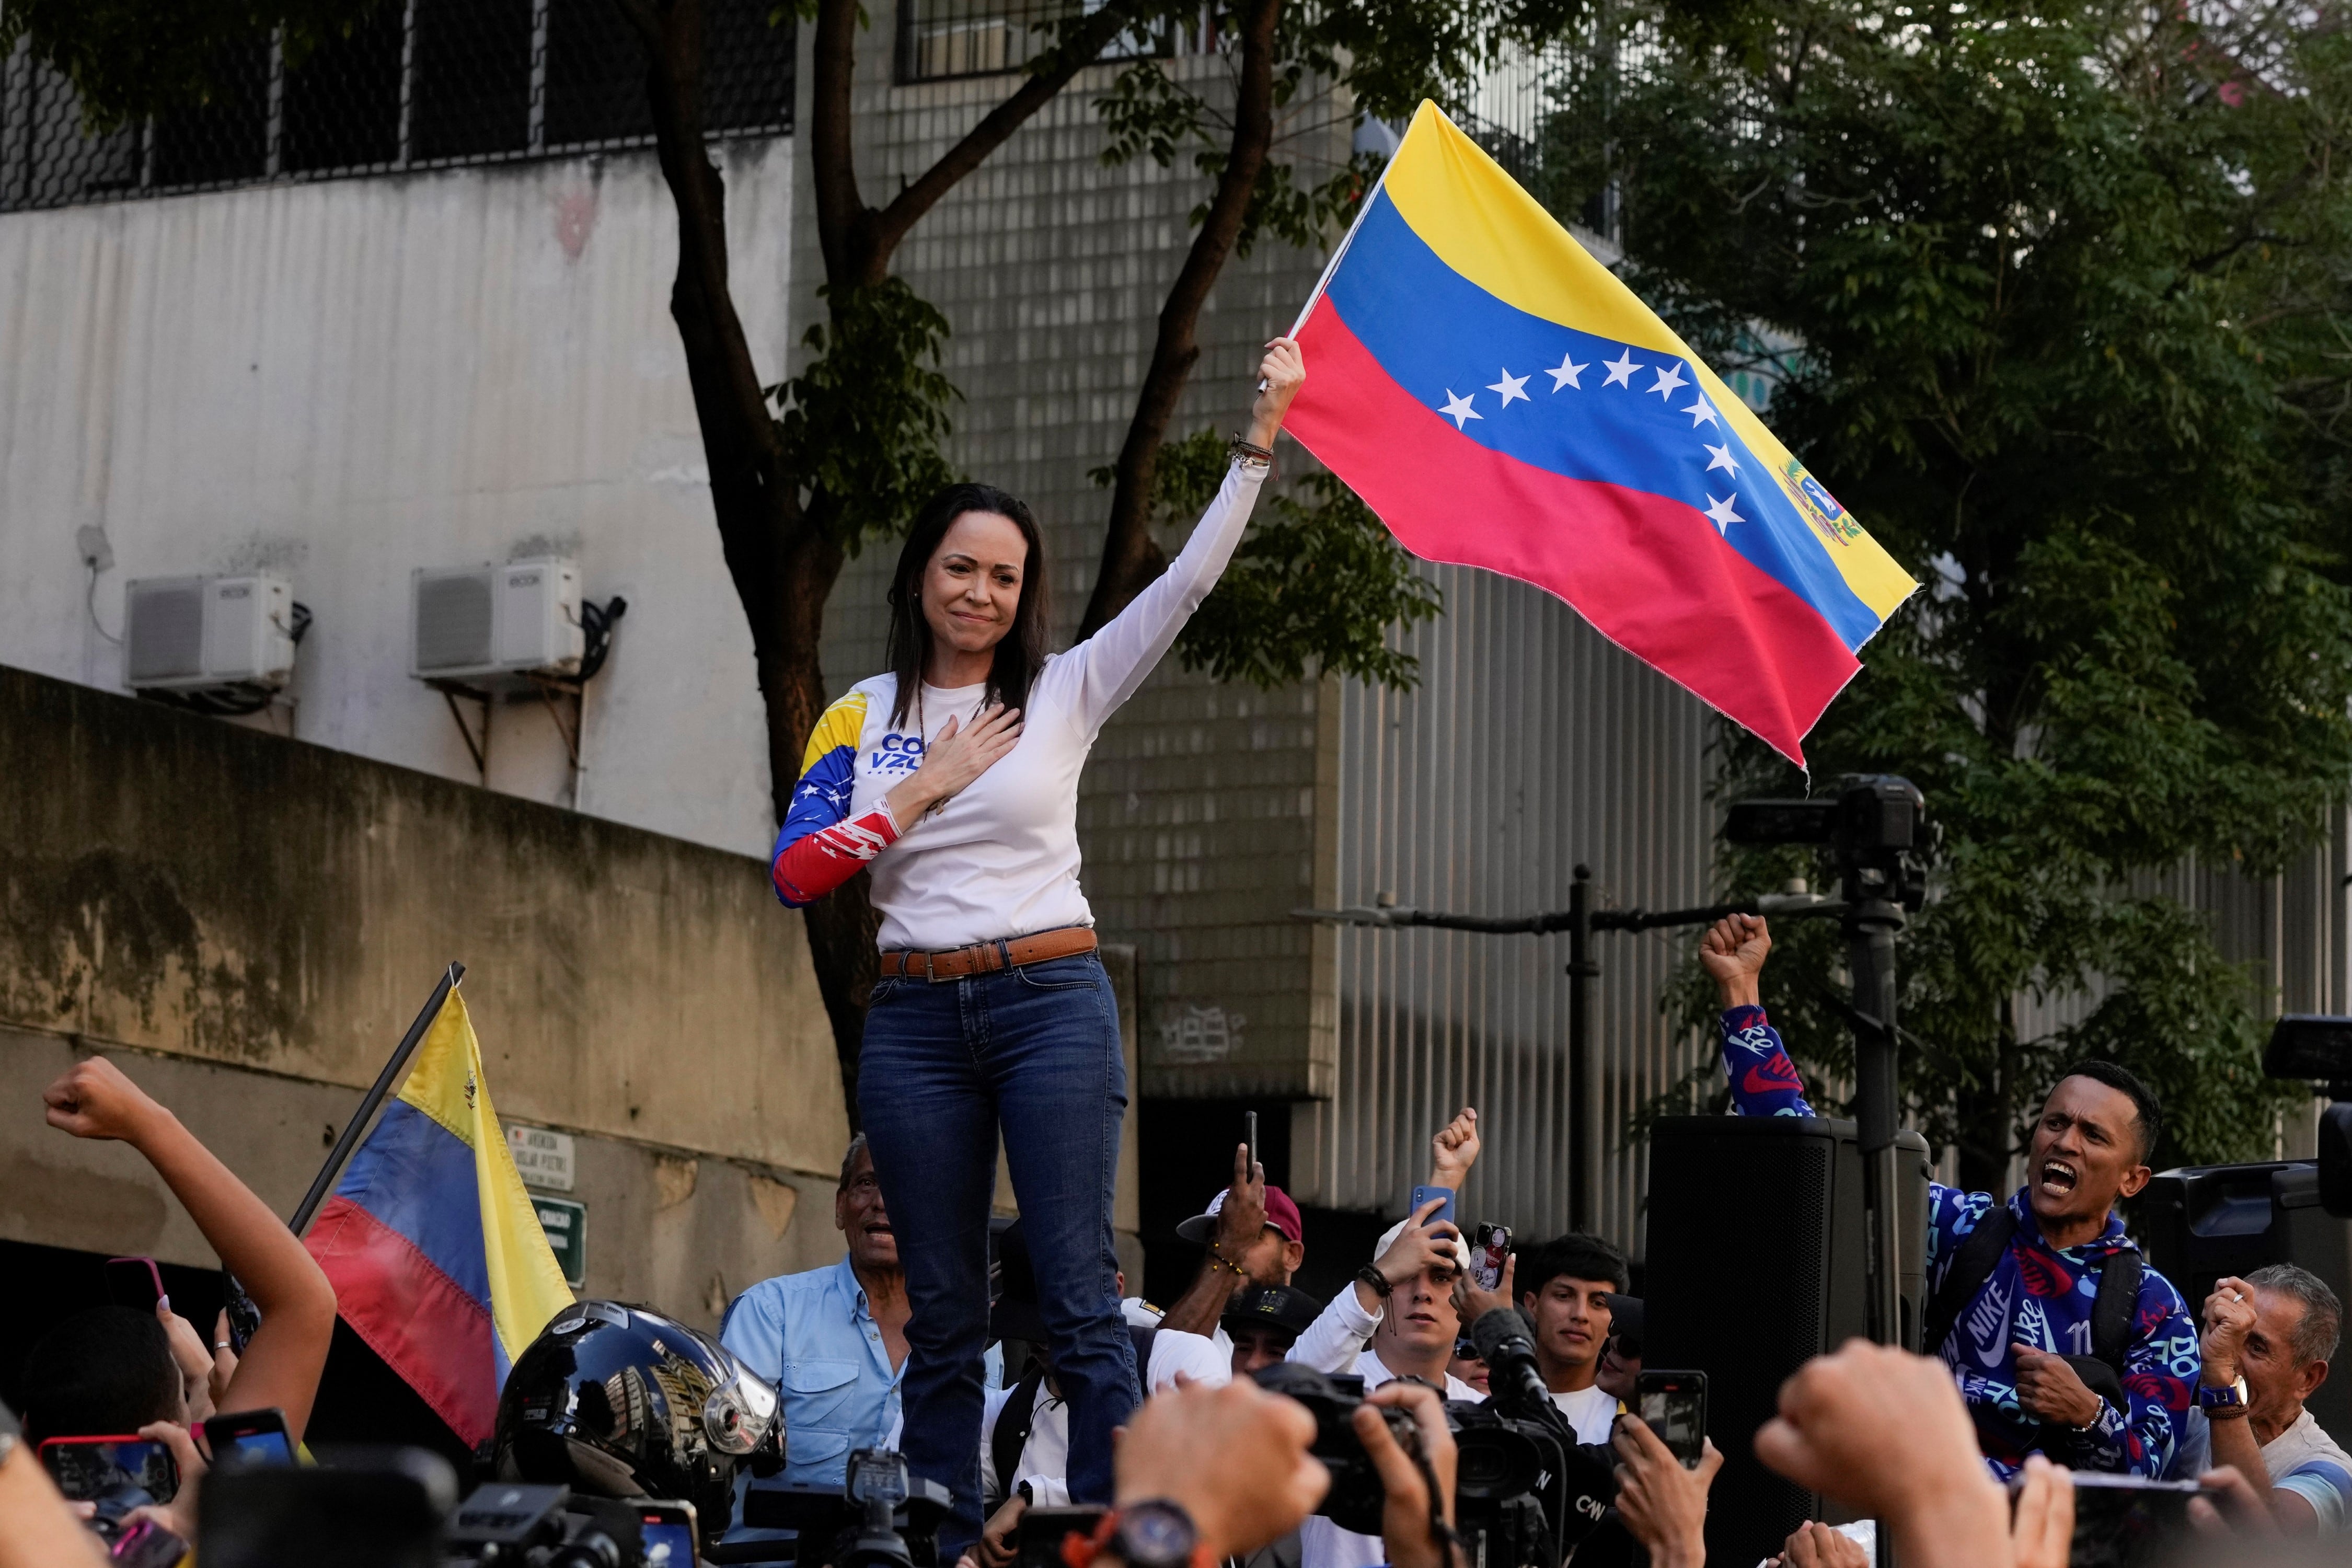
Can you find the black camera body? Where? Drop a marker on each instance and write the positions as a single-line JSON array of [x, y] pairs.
[[1525, 1494], [1872, 826], [882, 1516], [514, 1524]]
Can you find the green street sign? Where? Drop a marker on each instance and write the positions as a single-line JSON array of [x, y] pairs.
[[566, 1224]]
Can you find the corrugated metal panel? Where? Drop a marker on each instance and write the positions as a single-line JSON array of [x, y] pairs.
[[1531, 744]]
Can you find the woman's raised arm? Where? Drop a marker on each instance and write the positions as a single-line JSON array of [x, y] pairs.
[[1113, 662]]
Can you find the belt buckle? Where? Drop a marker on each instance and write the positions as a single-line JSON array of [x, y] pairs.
[[930, 970]]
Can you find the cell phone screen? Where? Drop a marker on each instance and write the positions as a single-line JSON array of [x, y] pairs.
[[669, 1541], [252, 1448], [89, 1468], [1673, 1405]]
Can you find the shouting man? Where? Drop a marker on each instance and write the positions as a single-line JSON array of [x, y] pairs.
[[2062, 1338], [2268, 1340]]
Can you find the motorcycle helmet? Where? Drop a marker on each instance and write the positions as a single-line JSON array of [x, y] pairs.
[[620, 1402]]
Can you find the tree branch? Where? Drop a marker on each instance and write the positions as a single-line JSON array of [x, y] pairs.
[[1078, 50], [1131, 559]]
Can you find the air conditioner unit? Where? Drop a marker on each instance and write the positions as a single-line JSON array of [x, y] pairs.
[[483, 623], [195, 634]]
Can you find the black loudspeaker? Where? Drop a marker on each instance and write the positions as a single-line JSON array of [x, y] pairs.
[[1756, 1247], [2200, 1222]]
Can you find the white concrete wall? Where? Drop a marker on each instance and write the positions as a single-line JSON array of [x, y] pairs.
[[345, 380]]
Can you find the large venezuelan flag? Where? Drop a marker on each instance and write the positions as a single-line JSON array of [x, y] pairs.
[[435, 1254], [1501, 400]]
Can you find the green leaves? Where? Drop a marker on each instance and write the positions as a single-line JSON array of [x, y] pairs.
[[128, 58], [863, 424], [2072, 348]]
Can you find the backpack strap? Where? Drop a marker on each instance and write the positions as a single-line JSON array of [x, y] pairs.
[[1019, 1412], [1013, 1423], [1979, 1254], [2115, 1313]]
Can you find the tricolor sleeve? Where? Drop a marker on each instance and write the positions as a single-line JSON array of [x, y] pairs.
[[820, 846], [1764, 1081]]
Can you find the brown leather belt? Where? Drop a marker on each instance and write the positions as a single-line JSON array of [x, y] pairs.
[[987, 957]]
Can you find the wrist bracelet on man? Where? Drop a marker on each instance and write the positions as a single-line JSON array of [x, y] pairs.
[[1376, 1279], [1217, 1260], [1249, 451]]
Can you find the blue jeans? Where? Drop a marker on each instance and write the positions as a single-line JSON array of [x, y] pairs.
[[1036, 1051]]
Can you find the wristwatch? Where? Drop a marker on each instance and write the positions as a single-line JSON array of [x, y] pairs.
[[1156, 1534], [2222, 1402]]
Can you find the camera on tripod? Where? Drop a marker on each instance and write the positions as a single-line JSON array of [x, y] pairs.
[[1872, 826]]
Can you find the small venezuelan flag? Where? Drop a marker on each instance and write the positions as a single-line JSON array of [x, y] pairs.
[[434, 1251], [1501, 400]]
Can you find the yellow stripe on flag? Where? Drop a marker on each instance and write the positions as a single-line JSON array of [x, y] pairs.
[[526, 1287], [1480, 222]]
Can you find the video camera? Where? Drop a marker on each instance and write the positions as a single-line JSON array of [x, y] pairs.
[[1872, 826], [882, 1516], [1526, 1494]]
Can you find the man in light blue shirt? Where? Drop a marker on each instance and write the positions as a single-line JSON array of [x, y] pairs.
[[834, 1340]]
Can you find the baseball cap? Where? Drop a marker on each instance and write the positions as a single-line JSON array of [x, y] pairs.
[[1280, 1213], [1271, 1306]]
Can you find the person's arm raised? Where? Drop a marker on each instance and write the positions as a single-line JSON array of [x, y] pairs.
[[1111, 664], [1240, 1220], [280, 1366]]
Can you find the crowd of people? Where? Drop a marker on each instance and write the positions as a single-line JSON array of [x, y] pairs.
[[1019, 1377], [1959, 1460]]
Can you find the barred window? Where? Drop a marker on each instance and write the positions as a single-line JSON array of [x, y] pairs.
[[422, 84], [940, 40]]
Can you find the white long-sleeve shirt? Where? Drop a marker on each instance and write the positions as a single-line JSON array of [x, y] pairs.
[[1044, 1462], [1001, 860]]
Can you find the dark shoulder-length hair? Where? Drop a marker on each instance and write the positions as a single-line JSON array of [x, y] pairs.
[[1022, 653]]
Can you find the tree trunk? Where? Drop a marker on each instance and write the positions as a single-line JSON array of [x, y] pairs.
[[1131, 558], [783, 557]]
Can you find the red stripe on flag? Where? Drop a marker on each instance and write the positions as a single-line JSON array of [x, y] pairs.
[[424, 1325], [1651, 573]]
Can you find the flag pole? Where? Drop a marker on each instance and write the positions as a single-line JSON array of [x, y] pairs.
[[385, 1081], [1339, 252]]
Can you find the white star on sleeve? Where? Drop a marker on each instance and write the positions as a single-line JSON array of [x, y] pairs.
[[1458, 409], [1704, 410], [1721, 458], [1511, 386], [1719, 512], [1670, 378], [1567, 371], [1621, 371]]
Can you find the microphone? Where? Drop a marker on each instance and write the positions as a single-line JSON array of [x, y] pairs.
[[1516, 1387]]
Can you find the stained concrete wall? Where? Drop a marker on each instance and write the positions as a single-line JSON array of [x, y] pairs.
[[344, 380], [254, 921]]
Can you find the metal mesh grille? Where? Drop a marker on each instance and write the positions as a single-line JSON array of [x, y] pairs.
[[453, 621], [424, 84], [940, 40], [166, 630]]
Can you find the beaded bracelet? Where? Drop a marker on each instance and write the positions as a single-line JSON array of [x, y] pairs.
[[1251, 452]]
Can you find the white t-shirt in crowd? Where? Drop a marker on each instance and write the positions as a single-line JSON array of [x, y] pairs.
[[1591, 1410], [1045, 1461], [1323, 1544], [1001, 860]]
